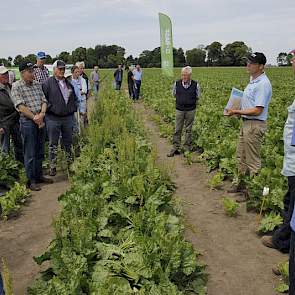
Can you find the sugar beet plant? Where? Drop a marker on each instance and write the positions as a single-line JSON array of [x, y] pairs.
[[119, 231], [217, 136]]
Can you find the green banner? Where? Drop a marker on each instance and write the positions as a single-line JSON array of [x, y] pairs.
[[166, 44]]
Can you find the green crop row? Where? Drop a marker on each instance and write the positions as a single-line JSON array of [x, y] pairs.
[[120, 231]]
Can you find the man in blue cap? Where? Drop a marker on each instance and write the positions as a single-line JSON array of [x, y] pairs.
[[41, 73]]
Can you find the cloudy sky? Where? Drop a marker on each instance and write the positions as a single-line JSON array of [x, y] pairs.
[[28, 26]]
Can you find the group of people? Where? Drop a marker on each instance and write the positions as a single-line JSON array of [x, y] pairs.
[[40, 107], [134, 78], [253, 112]]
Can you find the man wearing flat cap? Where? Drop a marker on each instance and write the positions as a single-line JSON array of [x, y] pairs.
[[62, 104], [9, 118], [41, 73], [254, 112], [31, 103]]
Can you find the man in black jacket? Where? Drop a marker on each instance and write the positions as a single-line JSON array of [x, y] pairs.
[[9, 118], [61, 100], [187, 92]]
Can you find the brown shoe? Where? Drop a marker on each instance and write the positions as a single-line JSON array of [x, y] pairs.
[[44, 179], [267, 241], [34, 187]]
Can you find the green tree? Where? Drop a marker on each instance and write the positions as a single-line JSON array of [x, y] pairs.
[[214, 54], [65, 56], [18, 59], [4, 62], [79, 54], [196, 57], [48, 59], [235, 54], [91, 58], [31, 58], [179, 57]]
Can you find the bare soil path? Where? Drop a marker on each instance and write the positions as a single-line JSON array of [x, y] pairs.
[[30, 233], [238, 264]]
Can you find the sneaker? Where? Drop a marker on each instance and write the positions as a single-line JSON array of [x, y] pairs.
[[52, 172], [45, 180], [34, 187], [267, 242], [173, 152]]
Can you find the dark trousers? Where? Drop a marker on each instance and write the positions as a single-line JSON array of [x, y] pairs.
[[118, 85], [13, 132], [137, 88], [292, 265], [131, 90], [33, 139], [183, 119], [59, 127], [281, 237]]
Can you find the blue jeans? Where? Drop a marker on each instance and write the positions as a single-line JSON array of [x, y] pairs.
[[95, 87], [137, 88], [33, 144], [1, 286], [13, 132], [59, 127]]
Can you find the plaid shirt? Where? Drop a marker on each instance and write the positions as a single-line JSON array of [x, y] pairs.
[[30, 95], [41, 74]]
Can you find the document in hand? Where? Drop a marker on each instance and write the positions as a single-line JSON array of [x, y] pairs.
[[234, 101]]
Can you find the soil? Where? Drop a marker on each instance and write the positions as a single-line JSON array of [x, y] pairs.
[[30, 233], [238, 263]]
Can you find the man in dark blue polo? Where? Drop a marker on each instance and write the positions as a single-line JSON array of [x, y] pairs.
[[187, 92]]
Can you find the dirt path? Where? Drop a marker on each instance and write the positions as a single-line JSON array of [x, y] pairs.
[[238, 264], [29, 234]]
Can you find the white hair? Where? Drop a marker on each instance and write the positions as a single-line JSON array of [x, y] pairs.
[[187, 69], [80, 63]]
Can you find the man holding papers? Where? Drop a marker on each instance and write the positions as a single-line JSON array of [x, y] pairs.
[[254, 112]]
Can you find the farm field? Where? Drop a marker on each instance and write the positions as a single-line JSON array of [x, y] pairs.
[[217, 135], [122, 231]]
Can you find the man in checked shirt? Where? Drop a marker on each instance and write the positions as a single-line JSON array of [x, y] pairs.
[[30, 101], [41, 73]]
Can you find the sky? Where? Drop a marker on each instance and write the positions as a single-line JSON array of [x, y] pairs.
[[53, 26]]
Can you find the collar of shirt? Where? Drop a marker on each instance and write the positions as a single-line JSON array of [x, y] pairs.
[[186, 84], [257, 79]]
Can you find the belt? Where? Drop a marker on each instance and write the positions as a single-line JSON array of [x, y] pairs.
[[247, 119]]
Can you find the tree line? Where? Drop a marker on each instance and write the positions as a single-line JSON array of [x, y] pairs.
[[109, 56]]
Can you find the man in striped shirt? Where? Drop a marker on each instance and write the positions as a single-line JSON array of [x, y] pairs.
[[41, 73]]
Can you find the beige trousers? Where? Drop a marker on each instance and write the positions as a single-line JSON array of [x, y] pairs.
[[249, 146]]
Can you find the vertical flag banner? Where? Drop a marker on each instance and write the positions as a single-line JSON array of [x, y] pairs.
[[166, 45]]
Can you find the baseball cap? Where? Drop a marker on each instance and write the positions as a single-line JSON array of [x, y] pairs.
[[41, 55], [3, 70], [25, 65], [59, 64], [257, 58]]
